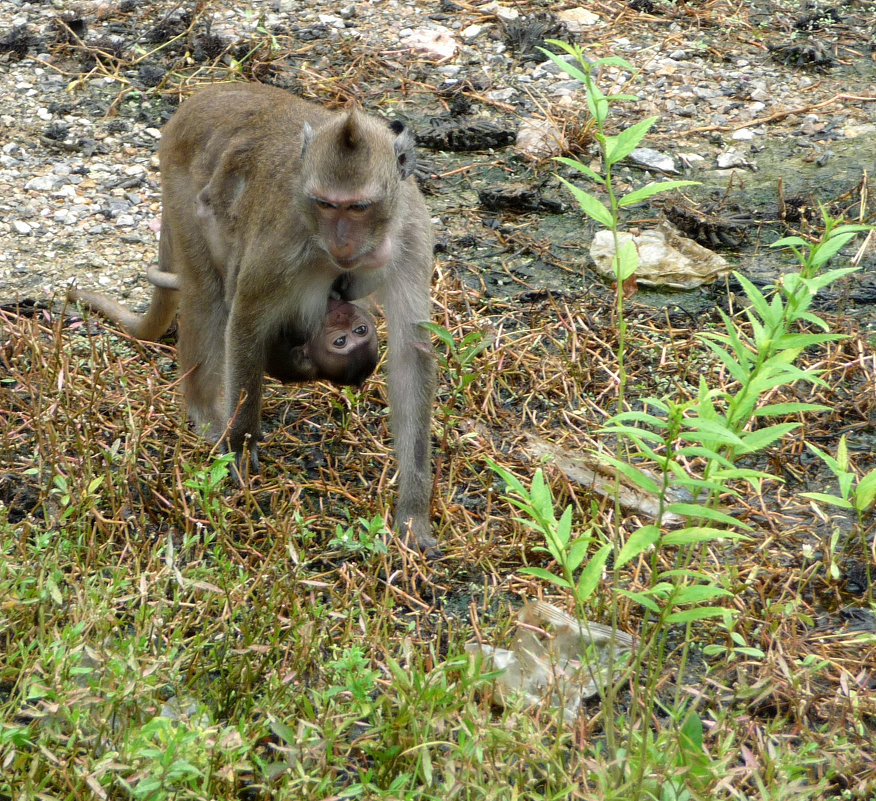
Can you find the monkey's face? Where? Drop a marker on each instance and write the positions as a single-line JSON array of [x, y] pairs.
[[346, 350], [351, 170], [353, 230]]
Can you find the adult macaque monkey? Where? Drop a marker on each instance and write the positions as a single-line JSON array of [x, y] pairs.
[[270, 206]]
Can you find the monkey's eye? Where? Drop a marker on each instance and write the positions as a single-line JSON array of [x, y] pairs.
[[361, 330], [340, 342], [323, 204], [359, 208]]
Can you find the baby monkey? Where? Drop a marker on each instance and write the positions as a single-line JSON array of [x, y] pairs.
[[343, 351]]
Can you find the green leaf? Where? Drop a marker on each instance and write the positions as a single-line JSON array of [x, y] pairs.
[[817, 282], [626, 260], [706, 453], [747, 650], [816, 321], [764, 437], [641, 599], [692, 734], [441, 332], [699, 613], [620, 146], [684, 573], [733, 366], [597, 106], [713, 428], [800, 341], [513, 483], [639, 541], [637, 434], [614, 61], [787, 241], [695, 534], [852, 227], [825, 251], [650, 190], [564, 527], [545, 575], [590, 205], [634, 474], [695, 511], [570, 69], [865, 492], [792, 407], [590, 575], [284, 732], [583, 168], [577, 551], [699, 593], [742, 346], [831, 500], [640, 417], [758, 301]]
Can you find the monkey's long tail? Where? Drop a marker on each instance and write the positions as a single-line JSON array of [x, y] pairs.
[[150, 325]]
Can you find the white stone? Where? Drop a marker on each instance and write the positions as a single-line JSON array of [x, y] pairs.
[[42, 183], [501, 95], [540, 138], [472, 32], [665, 258], [654, 159], [21, 227], [333, 21], [732, 158], [743, 135], [694, 160], [504, 13], [434, 42], [577, 19]]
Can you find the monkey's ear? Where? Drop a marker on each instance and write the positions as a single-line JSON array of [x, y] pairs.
[[306, 136], [405, 152]]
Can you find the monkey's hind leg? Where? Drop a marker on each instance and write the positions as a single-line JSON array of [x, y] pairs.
[[201, 350]]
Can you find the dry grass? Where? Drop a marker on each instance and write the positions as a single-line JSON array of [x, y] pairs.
[[131, 591], [241, 589]]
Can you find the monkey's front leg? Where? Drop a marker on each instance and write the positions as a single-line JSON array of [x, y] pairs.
[[411, 383], [245, 355]]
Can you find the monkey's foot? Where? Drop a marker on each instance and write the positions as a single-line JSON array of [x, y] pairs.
[[422, 540]]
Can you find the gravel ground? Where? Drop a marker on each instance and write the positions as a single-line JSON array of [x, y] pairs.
[[85, 92]]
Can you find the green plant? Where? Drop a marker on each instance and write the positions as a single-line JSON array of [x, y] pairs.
[[458, 358], [613, 149], [369, 537], [855, 494], [69, 500], [714, 428], [207, 483], [172, 756]]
